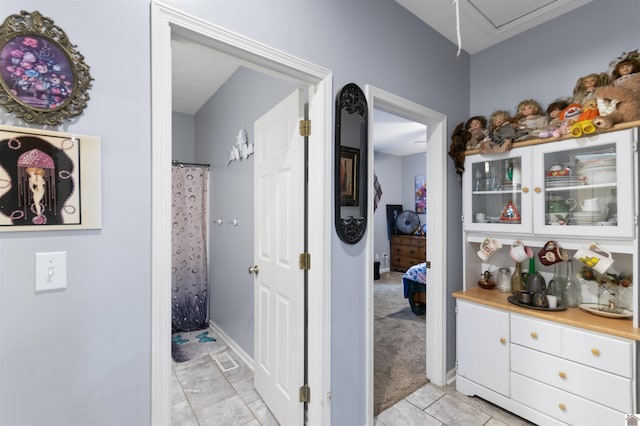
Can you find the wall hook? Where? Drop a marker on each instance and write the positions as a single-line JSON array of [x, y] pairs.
[[218, 221]]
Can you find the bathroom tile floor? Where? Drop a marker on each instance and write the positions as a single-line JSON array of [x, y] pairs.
[[203, 394]]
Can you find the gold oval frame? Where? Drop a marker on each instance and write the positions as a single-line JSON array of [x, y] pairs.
[[30, 87]]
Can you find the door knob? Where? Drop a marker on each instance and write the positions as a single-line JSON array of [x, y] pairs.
[[253, 269]]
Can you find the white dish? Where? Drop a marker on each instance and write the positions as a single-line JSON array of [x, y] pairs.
[[598, 177], [592, 308]]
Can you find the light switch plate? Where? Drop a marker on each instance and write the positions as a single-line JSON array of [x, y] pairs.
[[51, 271]]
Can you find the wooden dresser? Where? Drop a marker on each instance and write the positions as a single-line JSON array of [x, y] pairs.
[[406, 251]]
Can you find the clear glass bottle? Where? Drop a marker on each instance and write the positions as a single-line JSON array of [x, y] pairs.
[[558, 285], [517, 284], [504, 280], [573, 295]]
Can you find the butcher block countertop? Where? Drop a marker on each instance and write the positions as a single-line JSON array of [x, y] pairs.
[[571, 316]]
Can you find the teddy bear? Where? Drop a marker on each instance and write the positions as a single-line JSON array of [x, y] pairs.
[[619, 101]]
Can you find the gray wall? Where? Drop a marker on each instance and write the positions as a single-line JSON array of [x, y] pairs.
[[388, 168], [183, 137], [82, 355], [557, 54], [246, 96]]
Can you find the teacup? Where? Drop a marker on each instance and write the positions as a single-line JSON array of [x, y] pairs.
[[524, 297], [595, 257], [519, 252], [488, 247], [590, 205], [552, 253]]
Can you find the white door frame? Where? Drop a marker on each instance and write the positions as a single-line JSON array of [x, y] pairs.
[[436, 234], [318, 81]]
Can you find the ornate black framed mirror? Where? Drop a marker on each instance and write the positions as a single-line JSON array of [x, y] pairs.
[[351, 164]]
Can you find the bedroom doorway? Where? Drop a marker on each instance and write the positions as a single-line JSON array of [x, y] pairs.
[[435, 219], [399, 329]]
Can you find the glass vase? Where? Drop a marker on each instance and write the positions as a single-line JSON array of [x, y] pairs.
[[608, 298]]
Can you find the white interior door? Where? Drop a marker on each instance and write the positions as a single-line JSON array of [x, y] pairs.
[[279, 240]]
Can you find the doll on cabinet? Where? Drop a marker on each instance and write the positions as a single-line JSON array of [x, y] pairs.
[[531, 121], [501, 133], [477, 127], [587, 85]]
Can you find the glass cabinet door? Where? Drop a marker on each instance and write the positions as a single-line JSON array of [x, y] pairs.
[[498, 187], [584, 186]]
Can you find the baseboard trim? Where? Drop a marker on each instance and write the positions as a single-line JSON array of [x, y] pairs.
[[451, 376], [233, 345]]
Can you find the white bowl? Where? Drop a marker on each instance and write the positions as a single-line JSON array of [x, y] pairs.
[[596, 177]]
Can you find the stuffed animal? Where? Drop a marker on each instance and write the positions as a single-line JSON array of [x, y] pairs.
[[584, 123], [459, 139], [620, 101], [568, 117]]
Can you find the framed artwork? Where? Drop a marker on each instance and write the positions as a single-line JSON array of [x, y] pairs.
[[349, 182], [421, 194], [393, 210], [49, 180], [43, 78]]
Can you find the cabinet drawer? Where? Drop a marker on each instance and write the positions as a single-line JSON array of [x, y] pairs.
[[562, 405], [409, 251], [539, 335], [607, 389], [400, 263], [603, 352], [408, 240]]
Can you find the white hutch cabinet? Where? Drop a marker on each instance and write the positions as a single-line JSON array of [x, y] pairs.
[[551, 367]]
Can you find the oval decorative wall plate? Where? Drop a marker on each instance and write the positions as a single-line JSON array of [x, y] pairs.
[[43, 78]]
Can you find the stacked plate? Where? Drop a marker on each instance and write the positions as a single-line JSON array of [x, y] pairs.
[[557, 181], [586, 218]]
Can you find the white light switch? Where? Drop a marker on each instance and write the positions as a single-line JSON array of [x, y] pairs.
[[51, 271]]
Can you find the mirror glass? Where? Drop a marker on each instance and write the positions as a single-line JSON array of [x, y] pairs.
[[351, 164]]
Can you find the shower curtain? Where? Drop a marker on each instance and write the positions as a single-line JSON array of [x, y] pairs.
[[189, 274]]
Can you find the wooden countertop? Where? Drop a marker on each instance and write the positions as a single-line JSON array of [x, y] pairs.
[[571, 316]]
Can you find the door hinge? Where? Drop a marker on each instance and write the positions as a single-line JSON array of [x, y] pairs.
[[305, 261], [305, 128], [305, 393]]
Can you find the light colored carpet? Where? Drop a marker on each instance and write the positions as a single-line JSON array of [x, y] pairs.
[[399, 344]]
